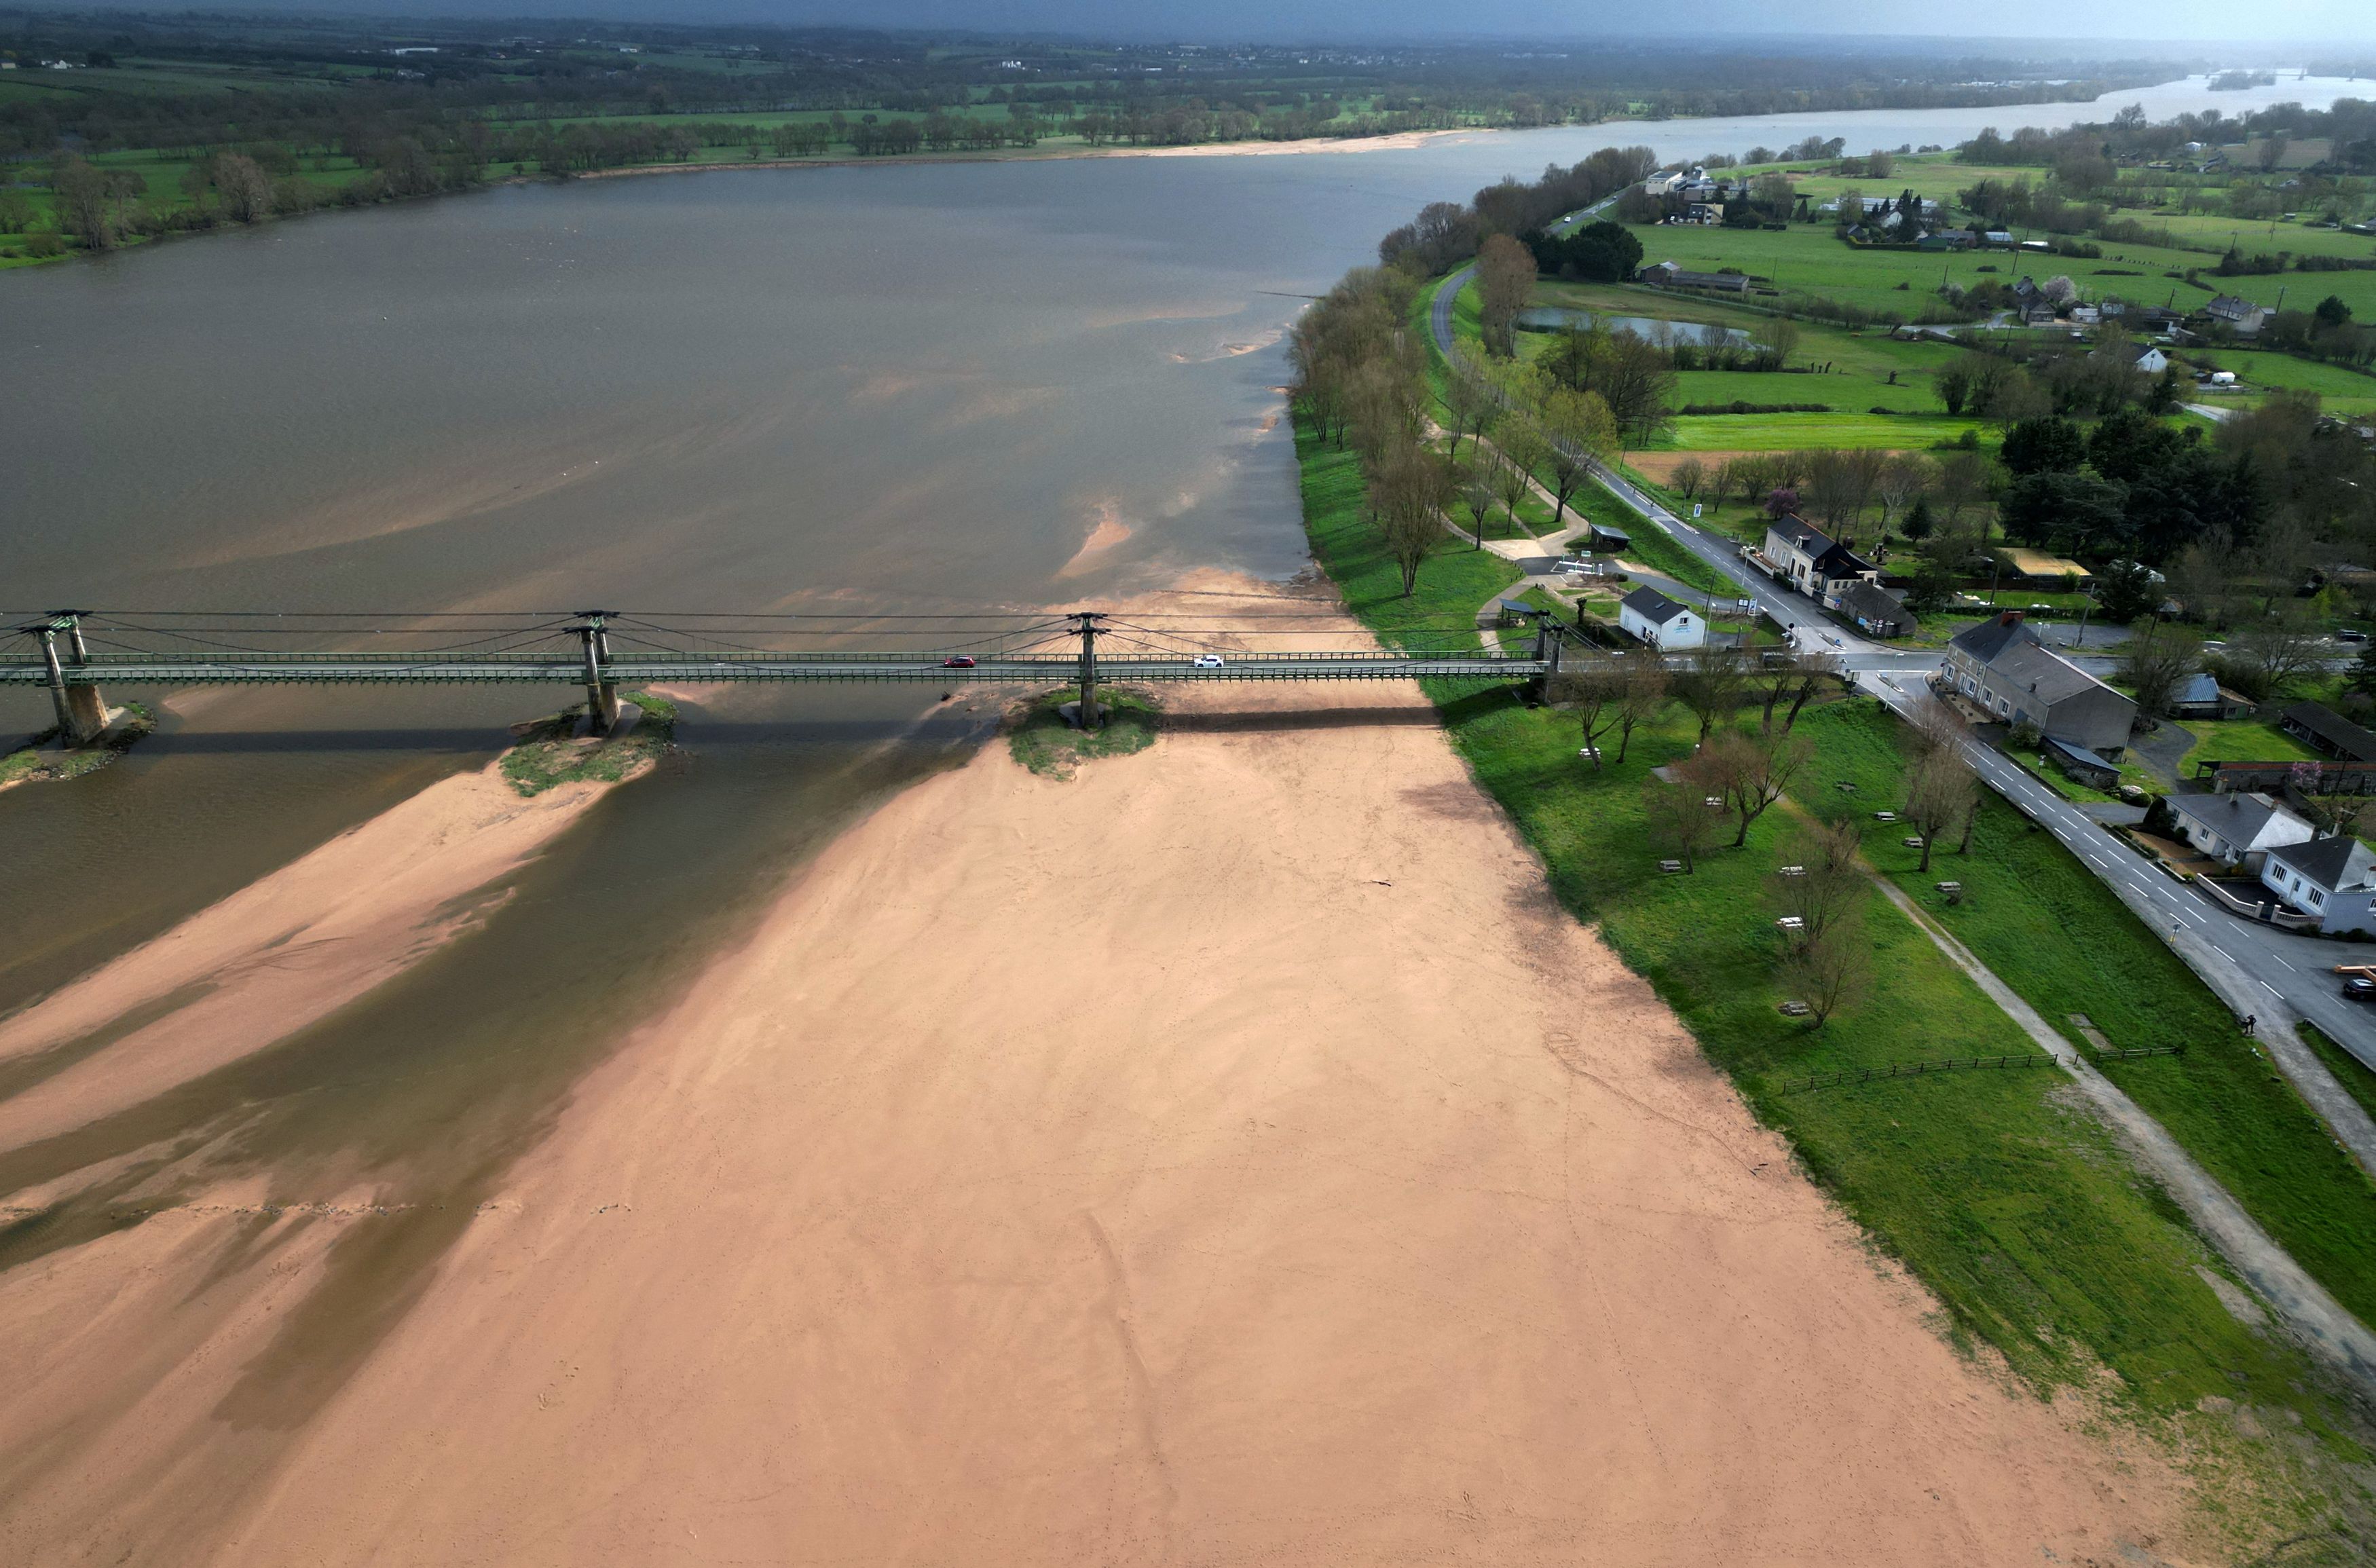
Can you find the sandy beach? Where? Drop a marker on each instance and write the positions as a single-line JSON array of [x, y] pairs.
[[1229, 1155]]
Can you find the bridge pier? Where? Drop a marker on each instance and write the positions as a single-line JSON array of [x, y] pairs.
[[1086, 622], [81, 709], [601, 695]]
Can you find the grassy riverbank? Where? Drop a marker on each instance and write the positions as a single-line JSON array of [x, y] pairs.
[[545, 754], [2019, 1212]]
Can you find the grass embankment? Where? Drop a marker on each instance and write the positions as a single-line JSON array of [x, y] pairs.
[[1042, 738], [545, 755], [2020, 1215], [2054, 933], [2359, 1080]]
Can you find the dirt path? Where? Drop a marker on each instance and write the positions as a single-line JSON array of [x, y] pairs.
[[2313, 1316], [1231, 1155]]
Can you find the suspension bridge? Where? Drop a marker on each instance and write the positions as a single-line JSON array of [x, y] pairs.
[[78, 654]]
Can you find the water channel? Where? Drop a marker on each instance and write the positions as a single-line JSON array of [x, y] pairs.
[[911, 386]]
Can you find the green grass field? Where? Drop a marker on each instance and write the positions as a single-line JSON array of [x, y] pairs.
[[2021, 1217]]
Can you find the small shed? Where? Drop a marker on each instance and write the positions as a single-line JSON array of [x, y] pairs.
[[2079, 763], [1604, 539], [2202, 696]]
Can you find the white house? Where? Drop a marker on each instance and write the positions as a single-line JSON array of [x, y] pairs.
[[1658, 621], [2333, 879], [2238, 829]]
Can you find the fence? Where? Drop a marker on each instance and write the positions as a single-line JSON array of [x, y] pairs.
[[1917, 1070], [2132, 1052]]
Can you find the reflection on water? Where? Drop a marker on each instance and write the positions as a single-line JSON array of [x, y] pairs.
[[924, 388], [1557, 319]]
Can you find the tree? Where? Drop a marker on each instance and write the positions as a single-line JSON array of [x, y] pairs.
[[1505, 277], [1688, 479], [1523, 451], [1773, 341], [1677, 815], [1752, 771], [2126, 590], [1594, 692], [1963, 483], [1645, 696], [2042, 445], [1825, 878], [2276, 651], [1577, 432], [2331, 312], [1832, 973], [1477, 489], [83, 208], [1940, 792], [1408, 490], [244, 186], [1903, 477], [2156, 663], [1796, 675], [1710, 682], [1469, 405]]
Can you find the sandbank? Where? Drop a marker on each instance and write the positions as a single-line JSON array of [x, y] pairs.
[[281, 953], [1229, 1154]]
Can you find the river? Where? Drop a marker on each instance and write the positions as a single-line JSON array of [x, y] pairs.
[[924, 386]]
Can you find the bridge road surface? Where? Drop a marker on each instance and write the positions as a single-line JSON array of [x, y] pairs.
[[2257, 969], [340, 669]]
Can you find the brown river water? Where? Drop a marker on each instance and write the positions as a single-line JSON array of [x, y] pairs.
[[918, 387]]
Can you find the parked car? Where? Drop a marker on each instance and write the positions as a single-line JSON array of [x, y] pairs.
[[2348, 636], [1208, 661], [957, 661]]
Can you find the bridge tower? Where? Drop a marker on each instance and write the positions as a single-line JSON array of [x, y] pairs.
[[1085, 623], [601, 696], [82, 711]]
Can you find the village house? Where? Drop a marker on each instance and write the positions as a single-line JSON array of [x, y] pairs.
[[2002, 667], [1816, 565], [1658, 621], [2239, 828], [2239, 316], [2144, 357], [2332, 880]]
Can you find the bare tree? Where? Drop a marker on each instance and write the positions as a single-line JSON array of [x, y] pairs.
[[1963, 483], [1797, 675], [1689, 477], [1523, 452], [2156, 663], [1754, 770], [1940, 792], [1710, 682], [1408, 491], [1833, 973], [1903, 477], [1822, 879], [1594, 692], [1469, 405], [1644, 696], [2278, 652], [1478, 488], [1505, 277], [1677, 815]]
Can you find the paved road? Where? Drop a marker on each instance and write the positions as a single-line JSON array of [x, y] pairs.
[[2259, 971]]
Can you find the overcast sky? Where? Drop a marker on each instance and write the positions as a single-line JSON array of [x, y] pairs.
[[2046, 23]]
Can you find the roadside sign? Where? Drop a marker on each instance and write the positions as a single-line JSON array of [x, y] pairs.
[[1695, 511]]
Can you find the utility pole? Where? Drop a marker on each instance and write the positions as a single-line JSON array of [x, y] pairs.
[[601, 696], [1085, 622]]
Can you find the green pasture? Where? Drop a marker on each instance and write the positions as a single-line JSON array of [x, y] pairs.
[[2023, 1218], [1784, 433]]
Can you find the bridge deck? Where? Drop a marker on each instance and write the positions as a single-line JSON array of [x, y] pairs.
[[639, 669]]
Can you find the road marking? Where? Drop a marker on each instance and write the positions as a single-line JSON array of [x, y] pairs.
[[2281, 961], [2273, 991]]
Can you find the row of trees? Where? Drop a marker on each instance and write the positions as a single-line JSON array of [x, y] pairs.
[[1839, 487]]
